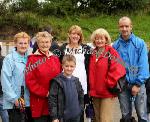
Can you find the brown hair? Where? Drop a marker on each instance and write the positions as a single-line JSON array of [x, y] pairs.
[[78, 31], [68, 58], [21, 35]]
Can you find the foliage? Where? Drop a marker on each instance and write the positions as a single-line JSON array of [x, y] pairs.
[[24, 5], [57, 8], [63, 8], [3, 8], [32, 23], [30, 16], [23, 21], [113, 6]]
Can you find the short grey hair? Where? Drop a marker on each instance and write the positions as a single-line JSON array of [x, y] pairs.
[[43, 34], [125, 18]]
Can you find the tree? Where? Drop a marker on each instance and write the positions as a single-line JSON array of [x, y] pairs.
[[57, 7], [25, 5]]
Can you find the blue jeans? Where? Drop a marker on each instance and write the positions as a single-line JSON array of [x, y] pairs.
[[3, 113], [125, 99]]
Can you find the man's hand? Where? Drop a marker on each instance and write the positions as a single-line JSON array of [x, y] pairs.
[[56, 120], [135, 90]]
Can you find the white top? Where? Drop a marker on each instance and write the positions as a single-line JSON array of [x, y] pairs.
[[79, 71]]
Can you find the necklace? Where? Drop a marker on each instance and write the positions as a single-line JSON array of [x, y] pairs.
[[99, 52]]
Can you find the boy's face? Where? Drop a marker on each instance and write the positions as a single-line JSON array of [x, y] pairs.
[[68, 68]]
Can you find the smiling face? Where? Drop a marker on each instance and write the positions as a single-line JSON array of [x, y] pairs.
[[44, 44], [100, 37], [125, 27], [22, 45], [68, 67], [74, 37], [100, 41]]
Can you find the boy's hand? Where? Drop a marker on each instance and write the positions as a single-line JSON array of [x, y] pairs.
[[56, 120]]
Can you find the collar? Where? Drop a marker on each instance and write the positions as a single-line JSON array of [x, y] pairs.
[[39, 52], [66, 77], [129, 39], [98, 54], [17, 57]]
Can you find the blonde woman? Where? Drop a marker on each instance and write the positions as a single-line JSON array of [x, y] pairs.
[[41, 67], [103, 75], [81, 52], [12, 78]]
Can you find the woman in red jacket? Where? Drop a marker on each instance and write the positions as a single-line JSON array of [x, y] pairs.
[[101, 77], [41, 67]]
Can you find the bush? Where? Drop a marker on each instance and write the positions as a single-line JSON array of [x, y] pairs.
[[22, 21], [57, 8], [113, 6], [24, 5]]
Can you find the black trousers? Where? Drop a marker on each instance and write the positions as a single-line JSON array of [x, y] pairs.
[[42, 119], [15, 115]]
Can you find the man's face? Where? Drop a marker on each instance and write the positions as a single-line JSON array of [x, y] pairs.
[[125, 28]]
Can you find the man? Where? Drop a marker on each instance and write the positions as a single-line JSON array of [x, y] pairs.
[[133, 51]]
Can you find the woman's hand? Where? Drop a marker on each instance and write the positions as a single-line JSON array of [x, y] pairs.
[[47, 94], [20, 103], [17, 103]]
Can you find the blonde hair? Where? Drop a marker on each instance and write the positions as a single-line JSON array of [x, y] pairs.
[[43, 34], [68, 58], [78, 30], [101, 32], [21, 35]]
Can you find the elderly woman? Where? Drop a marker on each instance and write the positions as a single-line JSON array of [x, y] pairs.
[[104, 72], [41, 67], [81, 53], [12, 78]]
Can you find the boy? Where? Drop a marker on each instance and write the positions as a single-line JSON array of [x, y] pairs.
[[66, 97]]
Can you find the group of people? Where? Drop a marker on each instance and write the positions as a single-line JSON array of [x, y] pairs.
[[48, 87]]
